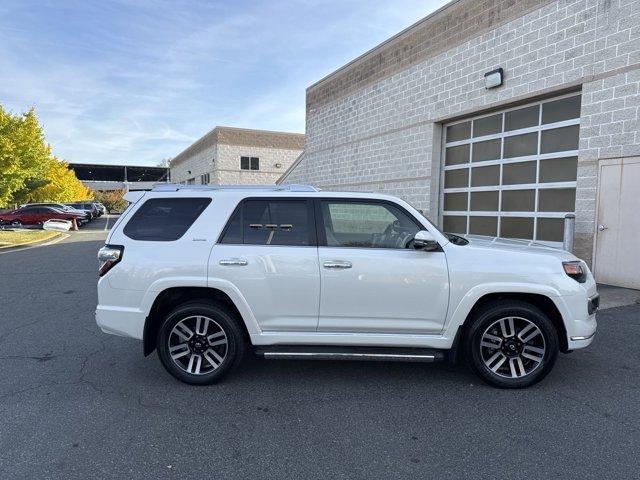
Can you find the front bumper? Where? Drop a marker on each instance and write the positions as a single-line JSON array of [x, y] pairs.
[[580, 320]]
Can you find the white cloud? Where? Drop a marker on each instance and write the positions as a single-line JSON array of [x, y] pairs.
[[135, 81]]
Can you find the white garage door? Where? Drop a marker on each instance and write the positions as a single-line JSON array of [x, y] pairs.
[[512, 173]]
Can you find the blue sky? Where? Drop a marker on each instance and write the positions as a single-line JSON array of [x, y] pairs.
[[136, 81]]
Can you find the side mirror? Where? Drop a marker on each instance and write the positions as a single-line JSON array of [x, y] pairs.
[[423, 240]]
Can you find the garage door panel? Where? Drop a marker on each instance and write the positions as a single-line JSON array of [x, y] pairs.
[[519, 167]]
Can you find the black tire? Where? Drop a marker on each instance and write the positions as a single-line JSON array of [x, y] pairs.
[[220, 314], [16, 223], [524, 312]]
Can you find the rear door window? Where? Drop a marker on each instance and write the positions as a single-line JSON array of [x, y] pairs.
[[164, 219], [271, 222]]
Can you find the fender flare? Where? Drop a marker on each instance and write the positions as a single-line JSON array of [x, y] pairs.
[[224, 286], [461, 311]]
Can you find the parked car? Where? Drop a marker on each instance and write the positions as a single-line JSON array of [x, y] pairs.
[[101, 208], [204, 274], [88, 207], [37, 215], [66, 208]]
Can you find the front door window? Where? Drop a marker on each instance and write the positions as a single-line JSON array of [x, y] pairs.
[[367, 225]]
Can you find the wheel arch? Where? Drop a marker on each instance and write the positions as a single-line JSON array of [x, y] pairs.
[[169, 298], [543, 302]]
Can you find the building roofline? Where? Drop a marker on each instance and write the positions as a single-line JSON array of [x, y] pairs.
[[443, 30], [260, 138], [384, 43], [81, 164]]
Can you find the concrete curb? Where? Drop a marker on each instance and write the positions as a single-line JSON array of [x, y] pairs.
[[34, 243]]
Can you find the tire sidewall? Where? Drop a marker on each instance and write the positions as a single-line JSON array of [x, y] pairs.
[[235, 341], [486, 318]]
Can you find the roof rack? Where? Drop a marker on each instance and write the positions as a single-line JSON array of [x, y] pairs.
[[173, 187]]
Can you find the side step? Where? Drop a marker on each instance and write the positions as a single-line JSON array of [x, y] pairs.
[[383, 354]]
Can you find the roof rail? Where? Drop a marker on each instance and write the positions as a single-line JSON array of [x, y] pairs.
[[173, 187]]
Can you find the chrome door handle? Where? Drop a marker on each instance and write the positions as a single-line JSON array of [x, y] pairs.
[[601, 228], [240, 262], [337, 264]]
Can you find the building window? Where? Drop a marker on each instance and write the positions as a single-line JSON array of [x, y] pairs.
[[205, 178], [512, 173], [249, 163]]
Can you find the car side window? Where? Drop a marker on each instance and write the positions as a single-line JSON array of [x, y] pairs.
[[270, 222], [164, 219], [366, 225]]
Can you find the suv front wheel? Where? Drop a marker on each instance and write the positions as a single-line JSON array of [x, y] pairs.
[[199, 342], [511, 344]]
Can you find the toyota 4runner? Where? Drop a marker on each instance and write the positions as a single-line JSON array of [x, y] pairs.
[[203, 274]]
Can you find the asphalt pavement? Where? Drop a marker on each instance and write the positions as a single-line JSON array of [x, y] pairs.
[[77, 403]]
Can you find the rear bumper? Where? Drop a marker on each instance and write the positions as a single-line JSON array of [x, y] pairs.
[[126, 322]]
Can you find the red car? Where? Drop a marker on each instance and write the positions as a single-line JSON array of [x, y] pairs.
[[36, 215]]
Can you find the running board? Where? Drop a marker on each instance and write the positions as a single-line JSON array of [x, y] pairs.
[[381, 354]]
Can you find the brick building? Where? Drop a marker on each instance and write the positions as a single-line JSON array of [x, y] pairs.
[[229, 155], [414, 117]]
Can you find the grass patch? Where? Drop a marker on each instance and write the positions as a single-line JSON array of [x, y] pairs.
[[21, 237]]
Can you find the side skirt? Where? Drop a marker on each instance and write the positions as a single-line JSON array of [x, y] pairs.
[[315, 352]]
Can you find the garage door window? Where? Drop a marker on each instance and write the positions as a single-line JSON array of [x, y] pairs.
[[515, 169]]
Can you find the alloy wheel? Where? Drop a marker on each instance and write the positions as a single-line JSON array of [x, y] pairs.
[[512, 347], [198, 345]]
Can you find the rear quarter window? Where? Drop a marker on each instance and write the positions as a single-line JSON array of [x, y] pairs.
[[164, 219]]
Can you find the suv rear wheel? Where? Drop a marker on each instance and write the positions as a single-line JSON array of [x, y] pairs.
[[200, 342], [511, 344]]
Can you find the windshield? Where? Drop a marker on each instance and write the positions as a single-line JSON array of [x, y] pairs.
[[453, 238]]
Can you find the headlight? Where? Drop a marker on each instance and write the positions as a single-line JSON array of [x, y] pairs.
[[575, 270], [108, 256]]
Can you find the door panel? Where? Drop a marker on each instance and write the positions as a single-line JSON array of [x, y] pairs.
[[370, 281], [281, 284], [268, 251], [618, 223], [384, 291]]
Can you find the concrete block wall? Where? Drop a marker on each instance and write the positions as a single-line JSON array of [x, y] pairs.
[[227, 168], [385, 135], [199, 163], [218, 154]]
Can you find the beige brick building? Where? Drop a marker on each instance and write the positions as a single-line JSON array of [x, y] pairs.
[[229, 155], [414, 117]]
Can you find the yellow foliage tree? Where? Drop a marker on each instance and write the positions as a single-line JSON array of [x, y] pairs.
[[62, 186], [28, 170]]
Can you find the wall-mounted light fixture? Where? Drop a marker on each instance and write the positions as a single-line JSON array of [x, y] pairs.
[[189, 172], [278, 165], [494, 78]]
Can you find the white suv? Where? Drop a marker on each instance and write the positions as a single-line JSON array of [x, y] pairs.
[[203, 274]]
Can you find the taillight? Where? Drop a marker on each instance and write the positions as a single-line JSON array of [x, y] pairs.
[[575, 270], [108, 256]]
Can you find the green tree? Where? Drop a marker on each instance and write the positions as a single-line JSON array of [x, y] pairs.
[[28, 170], [23, 155]]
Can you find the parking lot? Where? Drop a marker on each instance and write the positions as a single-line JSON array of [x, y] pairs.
[[77, 403]]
